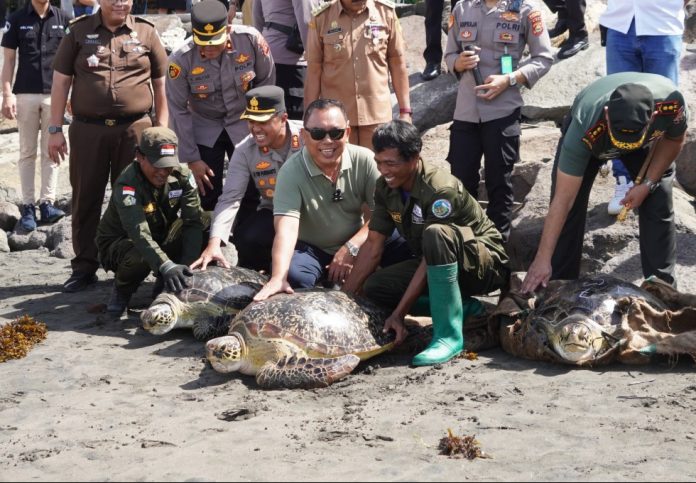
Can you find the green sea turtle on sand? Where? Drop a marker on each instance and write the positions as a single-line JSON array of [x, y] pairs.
[[207, 305]]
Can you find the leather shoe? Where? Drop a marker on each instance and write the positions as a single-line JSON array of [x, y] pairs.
[[572, 46], [79, 281], [558, 29], [431, 71]]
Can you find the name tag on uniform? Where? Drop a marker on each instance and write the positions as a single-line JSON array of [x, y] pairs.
[[417, 215], [175, 193]]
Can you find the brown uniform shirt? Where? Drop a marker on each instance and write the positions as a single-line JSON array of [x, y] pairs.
[[353, 53], [111, 70]]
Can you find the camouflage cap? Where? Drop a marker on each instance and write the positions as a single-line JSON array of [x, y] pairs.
[[159, 146]]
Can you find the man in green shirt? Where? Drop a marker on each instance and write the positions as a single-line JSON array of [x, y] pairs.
[[642, 119], [459, 252], [153, 222]]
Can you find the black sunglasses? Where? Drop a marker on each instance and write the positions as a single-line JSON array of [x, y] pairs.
[[318, 133]]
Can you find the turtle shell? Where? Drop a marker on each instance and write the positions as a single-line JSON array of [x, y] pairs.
[[323, 323]]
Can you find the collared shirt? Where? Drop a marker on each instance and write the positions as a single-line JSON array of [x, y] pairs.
[[663, 17], [36, 39], [354, 55], [144, 214], [111, 71], [206, 96], [587, 135], [497, 31], [287, 13], [437, 197], [262, 165], [304, 192]]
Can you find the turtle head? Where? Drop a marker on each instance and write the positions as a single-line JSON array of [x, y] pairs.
[[578, 338], [226, 354], [162, 315]]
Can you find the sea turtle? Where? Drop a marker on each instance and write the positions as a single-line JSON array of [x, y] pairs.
[[206, 305], [577, 321], [303, 340]]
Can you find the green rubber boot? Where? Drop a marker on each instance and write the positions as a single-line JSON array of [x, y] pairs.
[[448, 313]]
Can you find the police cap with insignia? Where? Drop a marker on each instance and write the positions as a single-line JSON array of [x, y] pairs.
[[159, 146], [209, 22], [629, 110], [262, 103]]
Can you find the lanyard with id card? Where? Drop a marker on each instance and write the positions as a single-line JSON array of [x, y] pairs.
[[506, 63]]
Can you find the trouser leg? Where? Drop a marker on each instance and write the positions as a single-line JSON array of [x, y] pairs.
[[387, 285], [254, 241], [214, 157], [433, 31], [576, 18], [362, 135], [291, 79], [49, 169], [28, 125], [307, 265], [465, 151]]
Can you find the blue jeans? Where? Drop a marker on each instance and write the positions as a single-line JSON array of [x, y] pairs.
[[654, 54]]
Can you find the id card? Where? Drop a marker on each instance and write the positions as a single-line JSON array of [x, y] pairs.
[[506, 64]]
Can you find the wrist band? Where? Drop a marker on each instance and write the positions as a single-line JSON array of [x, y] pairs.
[[405, 110]]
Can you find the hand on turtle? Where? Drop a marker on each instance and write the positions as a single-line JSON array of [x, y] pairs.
[[211, 254], [340, 266], [396, 323], [175, 276], [539, 273], [272, 287]]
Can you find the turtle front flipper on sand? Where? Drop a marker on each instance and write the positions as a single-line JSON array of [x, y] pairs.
[[305, 372]]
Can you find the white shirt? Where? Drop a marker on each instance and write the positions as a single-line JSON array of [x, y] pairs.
[[653, 17]]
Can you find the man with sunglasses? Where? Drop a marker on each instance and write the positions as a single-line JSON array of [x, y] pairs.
[[459, 251], [272, 139], [641, 118], [322, 201]]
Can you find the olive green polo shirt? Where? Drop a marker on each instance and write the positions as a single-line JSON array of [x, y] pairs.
[[304, 192], [587, 135], [144, 214], [437, 197]]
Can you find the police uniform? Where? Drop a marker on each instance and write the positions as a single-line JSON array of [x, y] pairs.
[[206, 96], [586, 144], [443, 223], [253, 237], [142, 227], [111, 98], [354, 54], [492, 127], [276, 19], [36, 41]]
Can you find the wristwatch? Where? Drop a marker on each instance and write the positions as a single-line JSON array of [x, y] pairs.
[[55, 129], [513, 79], [652, 185], [352, 249]]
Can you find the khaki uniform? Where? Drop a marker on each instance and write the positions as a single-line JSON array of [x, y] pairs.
[[353, 53], [141, 228], [443, 223], [111, 97], [206, 97]]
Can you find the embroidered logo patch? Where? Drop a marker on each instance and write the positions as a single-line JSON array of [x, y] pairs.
[[262, 165], [174, 70], [128, 190], [197, 70], [537, 23], [175, 193], [168, 150], [241, 59], [150, 208], [510, 16], [129, 200], [396, 216], [442, 208]]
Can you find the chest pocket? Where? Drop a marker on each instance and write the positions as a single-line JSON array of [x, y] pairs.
[[244, 80], [27, 41], [507, 35], [202, 90], [55, 35], [135, 54], [335, 47], [467, 35], [377, 40]]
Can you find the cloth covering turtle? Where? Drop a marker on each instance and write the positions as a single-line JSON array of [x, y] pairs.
[[206, 305]]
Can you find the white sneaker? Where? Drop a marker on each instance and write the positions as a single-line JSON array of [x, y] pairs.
[[622, 186]]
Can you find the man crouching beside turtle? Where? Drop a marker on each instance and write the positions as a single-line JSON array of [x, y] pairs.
[[141, 229], [459, 251]]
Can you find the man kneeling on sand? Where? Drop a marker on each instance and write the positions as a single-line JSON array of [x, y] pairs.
[[142, 229]]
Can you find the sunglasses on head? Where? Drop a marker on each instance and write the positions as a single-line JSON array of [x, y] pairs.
[[318, 134]]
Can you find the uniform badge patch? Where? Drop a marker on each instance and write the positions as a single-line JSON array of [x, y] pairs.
[[263, 165], [128, 190], [450, 21], [466, 34], [441, 208], [666, 108], [176, 193], [241, 59], [510, 16], [129, 200], [537, 23], [197, 70], [505, 36], [174, 70], [150, 208], [246, 79], [417, 215], [269, 193], [202, 87], [396, 216], [271, 181], [593, 134]]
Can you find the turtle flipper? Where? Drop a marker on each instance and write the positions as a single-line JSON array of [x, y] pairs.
[[210, 327], [305, 372]]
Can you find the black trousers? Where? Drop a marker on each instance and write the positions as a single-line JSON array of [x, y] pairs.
[[253, 238], [572, 12], [433, 30], [498, 141], [291, 78], [656, 229]]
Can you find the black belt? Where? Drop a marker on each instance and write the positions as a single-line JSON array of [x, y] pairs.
[[280, 27], [109, 122]]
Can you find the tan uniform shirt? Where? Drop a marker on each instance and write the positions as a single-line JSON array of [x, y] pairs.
[[206, 96], [111, 70], [262, 165], [497, 32], [287, 13], [353, 53]]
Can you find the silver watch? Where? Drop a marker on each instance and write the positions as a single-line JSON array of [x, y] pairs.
[[352, 249], [513, 79], [652, 185], [55, 129]]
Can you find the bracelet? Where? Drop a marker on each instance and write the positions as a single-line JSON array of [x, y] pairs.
[[405, 110]]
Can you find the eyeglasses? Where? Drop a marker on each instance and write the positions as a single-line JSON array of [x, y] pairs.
[[318, 133]]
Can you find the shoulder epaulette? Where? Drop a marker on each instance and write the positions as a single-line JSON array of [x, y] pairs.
[[144, 20], [320, 8], [75, 20], [388, 3], [245, 29]]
